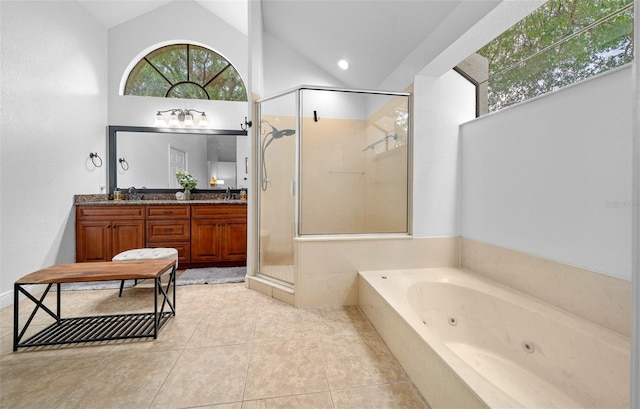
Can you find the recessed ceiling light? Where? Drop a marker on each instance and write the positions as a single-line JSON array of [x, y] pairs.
[[344, 64]]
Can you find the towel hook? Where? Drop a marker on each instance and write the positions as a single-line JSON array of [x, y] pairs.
[[93, 157], [246, 125], [123, 164]]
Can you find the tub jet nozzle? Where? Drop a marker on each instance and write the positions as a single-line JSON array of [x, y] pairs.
[[528, 346]]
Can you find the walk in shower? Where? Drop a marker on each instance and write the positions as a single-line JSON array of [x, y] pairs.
[[331, 162]]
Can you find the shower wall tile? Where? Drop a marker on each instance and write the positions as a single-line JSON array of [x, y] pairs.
[[327, 267], [328, 289], [597, 297]]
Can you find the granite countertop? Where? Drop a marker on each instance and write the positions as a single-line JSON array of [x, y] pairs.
[[155, 199]]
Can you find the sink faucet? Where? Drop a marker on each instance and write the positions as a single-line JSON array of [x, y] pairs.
[[133, 194], [228, 194]]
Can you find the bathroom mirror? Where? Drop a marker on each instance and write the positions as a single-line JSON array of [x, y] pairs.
[[149, 157]]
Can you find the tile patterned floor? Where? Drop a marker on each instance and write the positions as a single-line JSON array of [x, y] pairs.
[[227, 348]]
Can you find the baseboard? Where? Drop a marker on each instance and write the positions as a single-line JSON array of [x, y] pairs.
[[6, 299]]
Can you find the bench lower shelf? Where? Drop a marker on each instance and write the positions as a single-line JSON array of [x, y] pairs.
[[98, 328]]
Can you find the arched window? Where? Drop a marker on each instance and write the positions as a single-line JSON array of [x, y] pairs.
[[186, 71]]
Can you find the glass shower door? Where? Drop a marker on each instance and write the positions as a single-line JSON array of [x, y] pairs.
[[277, 161]]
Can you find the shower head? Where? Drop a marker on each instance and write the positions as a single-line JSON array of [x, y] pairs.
[[285, 132], [268, 138], [275, 134]]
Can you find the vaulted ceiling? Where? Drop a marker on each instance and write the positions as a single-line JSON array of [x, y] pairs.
[[374, 36]]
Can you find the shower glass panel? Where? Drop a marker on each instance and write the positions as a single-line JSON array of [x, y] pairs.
[[331, 162], [353, 162], [277, 163]]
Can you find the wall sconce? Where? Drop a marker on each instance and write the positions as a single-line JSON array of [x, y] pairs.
[[180, 118]]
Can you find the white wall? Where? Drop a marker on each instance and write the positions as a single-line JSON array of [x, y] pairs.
[[441, 104], [54, 104], [130, 41], [284, 69], [552, 177]]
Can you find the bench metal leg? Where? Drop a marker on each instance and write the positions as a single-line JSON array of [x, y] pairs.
[[135, 283], [161, 316], [39, 303]]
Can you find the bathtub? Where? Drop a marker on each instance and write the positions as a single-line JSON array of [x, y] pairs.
[[466, 341]]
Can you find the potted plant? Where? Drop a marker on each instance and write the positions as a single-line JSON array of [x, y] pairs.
[[187, 181]]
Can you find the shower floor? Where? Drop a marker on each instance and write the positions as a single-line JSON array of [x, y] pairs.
[[283, 272]]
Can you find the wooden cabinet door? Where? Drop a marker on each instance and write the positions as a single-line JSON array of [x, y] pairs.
[[234, 240], [93, 241], [126, 235], [104, 231], [205, 240]]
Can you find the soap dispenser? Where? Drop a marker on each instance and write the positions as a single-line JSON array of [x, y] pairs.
[[117, 195]]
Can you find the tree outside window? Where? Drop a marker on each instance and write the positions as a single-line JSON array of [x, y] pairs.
[[186, 71], [562, 42]]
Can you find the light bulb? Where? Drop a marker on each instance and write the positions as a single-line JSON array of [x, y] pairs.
[[188, 120], [204, 121], [173, 119], [159, 121]]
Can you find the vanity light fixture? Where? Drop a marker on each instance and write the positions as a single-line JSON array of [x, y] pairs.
[[180, 118]]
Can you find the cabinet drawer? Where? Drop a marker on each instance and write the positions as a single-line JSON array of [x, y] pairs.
[[222, 211], [109, 212], [167, 230], [168, 212], [184, 251]]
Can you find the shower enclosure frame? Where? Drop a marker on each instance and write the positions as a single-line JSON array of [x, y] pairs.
[[297, 91]]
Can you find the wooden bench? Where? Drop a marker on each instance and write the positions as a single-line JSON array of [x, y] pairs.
[[102, 327]]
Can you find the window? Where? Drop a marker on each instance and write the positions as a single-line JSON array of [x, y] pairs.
[[562, 42], [185, 71]]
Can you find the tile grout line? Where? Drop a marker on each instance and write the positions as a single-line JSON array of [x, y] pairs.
[[85, 381], [182, 350], [253, 335], [324, 365]]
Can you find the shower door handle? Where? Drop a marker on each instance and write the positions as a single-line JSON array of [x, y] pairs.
[[293, 188]]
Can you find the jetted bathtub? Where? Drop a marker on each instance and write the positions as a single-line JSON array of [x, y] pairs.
[[466, 341]]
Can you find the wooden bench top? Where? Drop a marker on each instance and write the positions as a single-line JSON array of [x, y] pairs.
[[98, 271]]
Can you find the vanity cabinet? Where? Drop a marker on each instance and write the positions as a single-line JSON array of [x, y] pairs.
[[203, 234], [218, 233], [102, 232], [169, 226]]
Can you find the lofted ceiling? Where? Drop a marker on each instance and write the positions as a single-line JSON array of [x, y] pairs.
[[376, 37], [110, 13]]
